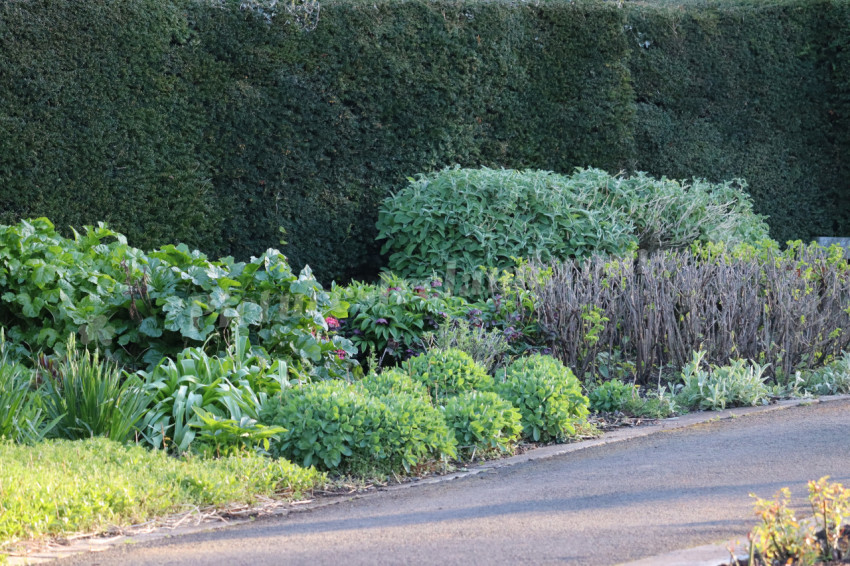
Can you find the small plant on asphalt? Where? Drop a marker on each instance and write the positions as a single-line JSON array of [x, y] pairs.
[[735, 385], [483, 423], [780, 538], [547, 395]]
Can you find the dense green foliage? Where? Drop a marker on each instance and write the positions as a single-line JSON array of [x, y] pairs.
[[195, 121], [387, 320], [448, 372], [547, 395], [199, 122], [748, 89], [391, 381], [87, 396], [338, 426], [482, 422], [61, 487], [611, 396], [140, 306], [455, 222]]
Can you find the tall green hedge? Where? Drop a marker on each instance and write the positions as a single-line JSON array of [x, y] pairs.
[[213, 123], [744, 89]]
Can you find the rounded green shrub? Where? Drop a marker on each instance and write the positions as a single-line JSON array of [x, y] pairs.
[[448, 372], [335, 425], [482, 422], [611, 396], [547, 395], [391, 381]]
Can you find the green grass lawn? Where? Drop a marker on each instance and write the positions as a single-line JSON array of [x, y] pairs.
[[62, 487]]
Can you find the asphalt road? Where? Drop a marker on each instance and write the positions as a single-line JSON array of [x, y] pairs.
[[603, 505]]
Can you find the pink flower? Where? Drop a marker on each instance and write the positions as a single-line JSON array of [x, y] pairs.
[[341, 354], [332, 322]]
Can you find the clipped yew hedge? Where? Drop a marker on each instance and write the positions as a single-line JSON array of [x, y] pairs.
[[216, 122]]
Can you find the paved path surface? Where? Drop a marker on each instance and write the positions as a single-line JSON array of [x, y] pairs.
[[603, 505]]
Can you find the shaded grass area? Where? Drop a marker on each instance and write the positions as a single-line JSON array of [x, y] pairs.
[[61, 487]]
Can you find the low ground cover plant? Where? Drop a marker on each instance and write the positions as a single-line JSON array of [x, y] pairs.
[[91, 484], [713, 388], [339, 426], [482, 423]]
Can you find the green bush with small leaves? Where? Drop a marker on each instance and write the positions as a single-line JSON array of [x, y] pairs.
[[548, 397], [611, 396], [337, 426], [482, 422], [735, 385], [448, 372], [391, 381]]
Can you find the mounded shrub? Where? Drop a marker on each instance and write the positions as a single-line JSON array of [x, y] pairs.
[[448, 372], [548, 397], [455, 221], [482, 422], [335, 425], [611, 396], [391, 381]]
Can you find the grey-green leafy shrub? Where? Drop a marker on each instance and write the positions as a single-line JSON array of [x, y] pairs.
[[335, 425], [832, 379], [455, 221], [548, 397], [486, 346], [670, 214], [738, 384], [391, 381], [448, 372], [482, 422], [611, 396]]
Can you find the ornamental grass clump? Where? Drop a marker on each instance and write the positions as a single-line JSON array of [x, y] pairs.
[[548, 397], [88, 396], [448, 372]]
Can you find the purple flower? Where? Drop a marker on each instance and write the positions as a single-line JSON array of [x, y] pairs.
[[381, 321], [357, 332], [436, 283]]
